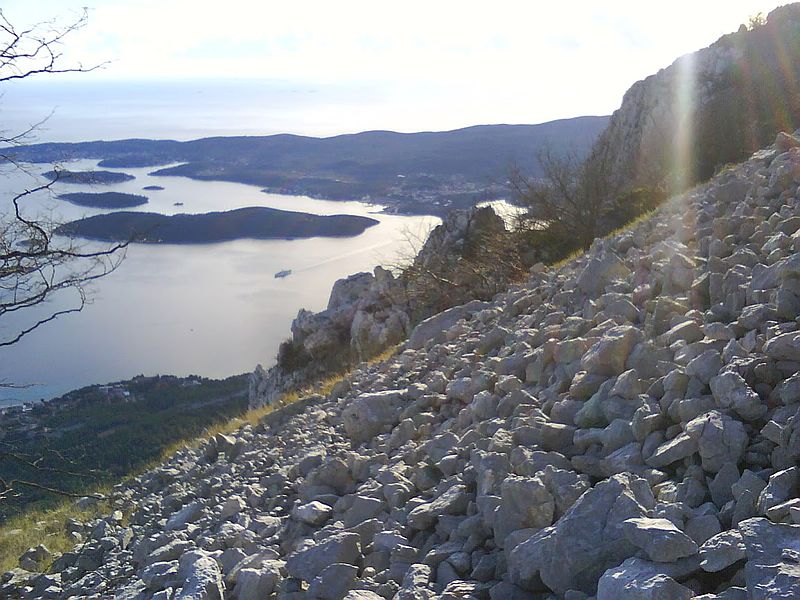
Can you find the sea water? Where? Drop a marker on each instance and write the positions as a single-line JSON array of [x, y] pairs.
[[209, 309]]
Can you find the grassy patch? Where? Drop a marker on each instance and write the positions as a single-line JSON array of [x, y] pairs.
[[630, 224], [567, 259], [385, 355], [42, 526]]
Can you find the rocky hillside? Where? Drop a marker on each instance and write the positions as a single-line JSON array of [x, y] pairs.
[[623, 427], [712, 107], [367, 313]]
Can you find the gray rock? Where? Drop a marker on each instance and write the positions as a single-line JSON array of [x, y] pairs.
[[659, 538], [433, 328], [627, 385], [586, 541], [334, 582], [452, 502], [705, 366], [506, 591], [600, 271], [745, 493], [720, 486], [188, 514], [255, 584], [526, 504], [36, 559], [773, 554], [202, 577], [702, 528], [609, 354], [731, 391], [688, 331], [720, 439], [782, 486], [368, 414], [160, 575], [361, 509], [308, 562], [415, 584], [722, 551], [680, 447], [627, 582], [362, 595], [312, 513], [785, 346], [232, 506]]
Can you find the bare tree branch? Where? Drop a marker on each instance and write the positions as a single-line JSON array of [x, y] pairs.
[[572, 196], [37, 264], [37, 49]]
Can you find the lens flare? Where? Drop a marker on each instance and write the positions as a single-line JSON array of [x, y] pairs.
[[683, 140]]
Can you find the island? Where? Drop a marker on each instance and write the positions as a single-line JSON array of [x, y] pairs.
[[153, 188], [88, 177], [104, 199], [256, 222]]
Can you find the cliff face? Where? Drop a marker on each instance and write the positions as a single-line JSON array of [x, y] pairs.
[[708, 108], [626, 426]]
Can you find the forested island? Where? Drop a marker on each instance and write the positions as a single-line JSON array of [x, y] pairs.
[[88, 177], [153, 188], [104, 199], [254, 223]]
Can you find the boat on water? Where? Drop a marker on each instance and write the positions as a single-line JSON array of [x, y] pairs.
[[284, 273]]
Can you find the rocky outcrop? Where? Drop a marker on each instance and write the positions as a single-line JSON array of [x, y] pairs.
[[366, 314], [370, 312], [551, 443], [708, 108]]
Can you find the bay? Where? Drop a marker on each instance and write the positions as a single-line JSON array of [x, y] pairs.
[[211, 310]]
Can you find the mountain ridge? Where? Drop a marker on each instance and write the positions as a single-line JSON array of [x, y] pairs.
[[425, 172]]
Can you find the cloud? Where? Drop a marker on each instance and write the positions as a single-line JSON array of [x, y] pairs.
[[557, 58]]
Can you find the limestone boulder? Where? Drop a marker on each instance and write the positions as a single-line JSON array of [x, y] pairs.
[[368, 414], [773, 554], [630, 581], [311, 560], [587, 541], [600, 271], [609, 354], [201, 576], [730, 390], [526, 503], [660, 539]]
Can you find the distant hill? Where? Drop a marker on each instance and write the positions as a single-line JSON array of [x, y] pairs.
[[255, 223], [410, 172]]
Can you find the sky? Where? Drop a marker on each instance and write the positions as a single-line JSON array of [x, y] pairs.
[[499, 61]]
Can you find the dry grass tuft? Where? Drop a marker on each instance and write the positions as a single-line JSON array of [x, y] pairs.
[[46, 527]]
